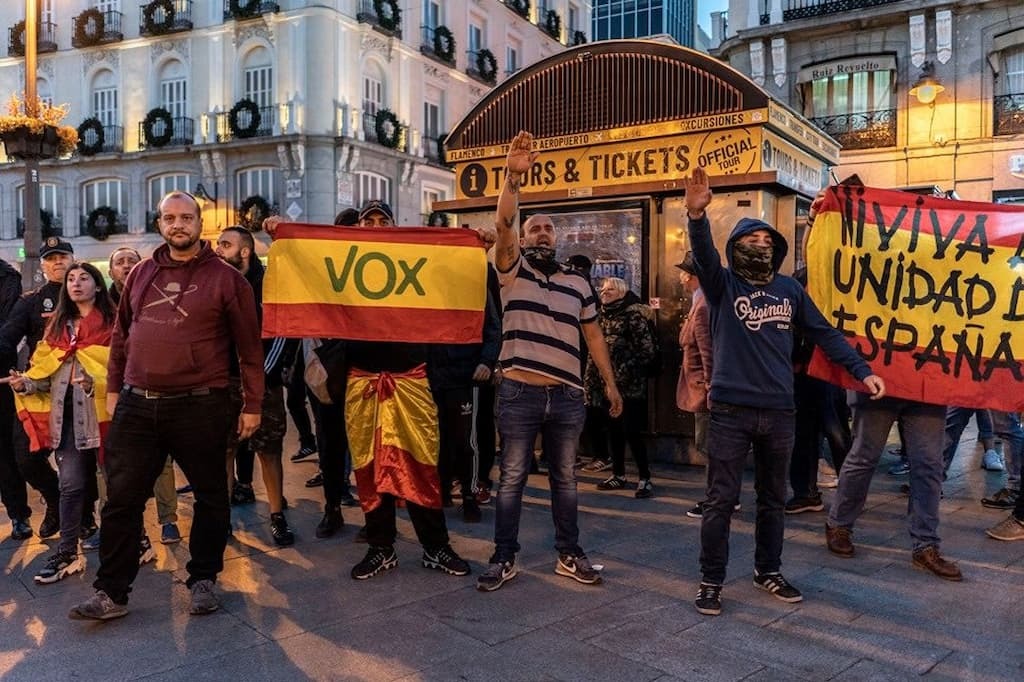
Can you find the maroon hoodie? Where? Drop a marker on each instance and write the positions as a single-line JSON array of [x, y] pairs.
[[178, 321]]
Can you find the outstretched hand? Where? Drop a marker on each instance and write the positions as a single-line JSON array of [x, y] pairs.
[[698, 192], [520, 153]]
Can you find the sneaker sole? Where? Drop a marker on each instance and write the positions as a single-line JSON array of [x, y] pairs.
[[437, 566], [788, 600], [504, 579], [694, 516], [75, 614], [60, 575], [1003, 537], [147, 556], [169, 541], [560, 570], [806, 508], [204, 611], [386, 566], [709, 612], [284, 542]]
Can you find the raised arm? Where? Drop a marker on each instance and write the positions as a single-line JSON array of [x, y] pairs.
[[709, 264], [518, 162]]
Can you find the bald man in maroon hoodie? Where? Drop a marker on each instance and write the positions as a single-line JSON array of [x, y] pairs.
[[181, 313]]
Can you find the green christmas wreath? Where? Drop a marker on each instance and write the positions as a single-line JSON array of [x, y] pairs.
[[149, 123]]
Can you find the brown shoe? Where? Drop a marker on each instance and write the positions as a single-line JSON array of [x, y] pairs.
[[839, 541], [930, 560]]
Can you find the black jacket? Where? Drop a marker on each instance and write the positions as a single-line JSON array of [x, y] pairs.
[[10, 289], [452, 365], [27, 321]]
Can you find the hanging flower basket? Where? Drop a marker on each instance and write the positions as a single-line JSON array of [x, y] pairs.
[[34, 132]]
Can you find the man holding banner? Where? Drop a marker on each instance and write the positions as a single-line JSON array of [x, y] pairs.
[[546, 304], [754, 310]]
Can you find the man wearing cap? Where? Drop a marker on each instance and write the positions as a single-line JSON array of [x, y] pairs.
[[181, 313], [376, 214], [28, 321]]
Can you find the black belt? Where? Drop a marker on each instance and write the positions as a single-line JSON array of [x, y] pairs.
[[156, 395]]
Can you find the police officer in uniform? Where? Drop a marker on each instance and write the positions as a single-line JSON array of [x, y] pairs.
[[28, 321]]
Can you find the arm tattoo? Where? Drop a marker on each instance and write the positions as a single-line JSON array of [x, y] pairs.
[[513, 184], [508, 220]]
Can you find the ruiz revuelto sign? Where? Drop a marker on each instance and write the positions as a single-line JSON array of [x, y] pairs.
[[849, 65]]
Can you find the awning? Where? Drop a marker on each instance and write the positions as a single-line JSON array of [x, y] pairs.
[[835, 67]]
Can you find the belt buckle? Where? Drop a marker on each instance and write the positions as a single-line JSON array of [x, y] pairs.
[[148, 395]]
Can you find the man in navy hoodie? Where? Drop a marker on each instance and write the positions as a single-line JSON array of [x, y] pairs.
[[753, 312]]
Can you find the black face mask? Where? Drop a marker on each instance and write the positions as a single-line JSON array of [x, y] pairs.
[[753, 262], [541, 258]]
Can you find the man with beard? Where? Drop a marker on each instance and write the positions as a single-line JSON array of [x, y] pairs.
[[237, 248], [546, 305], [754, 310], [27, 320], [121, 262], [183, 310]]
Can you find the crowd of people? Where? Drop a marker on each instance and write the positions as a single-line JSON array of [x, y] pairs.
[[167, 367]]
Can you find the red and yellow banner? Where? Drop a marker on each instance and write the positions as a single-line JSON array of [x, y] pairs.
[[930, 291], [385, 284]]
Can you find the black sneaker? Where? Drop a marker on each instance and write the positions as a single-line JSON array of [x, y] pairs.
[[612, 483], [60, 566], [316, 481], [799, 505], [470, 510], [445, 559], [777, 586], [377, 559], [347, 500], [242, 493], [696, 511], [578, 568], [283, 535], [331, 523], [146, 551], [709, 599], [51, 522], [20, 530], [1003, 499], [304, 452], [496, 575]]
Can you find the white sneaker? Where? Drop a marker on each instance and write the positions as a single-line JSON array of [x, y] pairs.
[[992, 461]]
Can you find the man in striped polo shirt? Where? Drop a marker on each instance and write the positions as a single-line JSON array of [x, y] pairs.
[[546, 306]]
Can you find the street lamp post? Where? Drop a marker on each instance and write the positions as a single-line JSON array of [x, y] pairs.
[[33, 230]]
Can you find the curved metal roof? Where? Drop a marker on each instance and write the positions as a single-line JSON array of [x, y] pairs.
[[605, 85]]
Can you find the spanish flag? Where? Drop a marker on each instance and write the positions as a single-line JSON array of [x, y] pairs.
[[393, 436], [90, 348], [405, 284], [930, 291]]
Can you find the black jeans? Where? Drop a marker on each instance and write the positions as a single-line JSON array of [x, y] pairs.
[[455, 423], [12, 483], [734, 429], [821, 413], [608, 433], [333, 446], [143, 432], [296, 404], [35, 467], [430, 526], [484, 431]]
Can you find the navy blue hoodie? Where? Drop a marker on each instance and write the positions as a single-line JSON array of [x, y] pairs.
[[752, 325]]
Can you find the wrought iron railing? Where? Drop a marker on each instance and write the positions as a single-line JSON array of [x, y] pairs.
[[766, 12], [248, 9], [1009, 114], [120, 225], [54, 229], [367, 14], [265, 127], [111, 30], [865, 130], [155, 22], [803, 9], [113, 139], [428, 41], [181, 133], [46, 39]]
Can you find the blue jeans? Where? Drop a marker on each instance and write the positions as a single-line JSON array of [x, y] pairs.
[[1005, 424], [557, 413], [734, 430], [924, 431]]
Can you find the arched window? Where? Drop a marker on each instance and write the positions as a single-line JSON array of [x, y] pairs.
[[258, 76], [174, 88], [48, 204], [373, 97], [371, 186], [255, 195], [105, 97]]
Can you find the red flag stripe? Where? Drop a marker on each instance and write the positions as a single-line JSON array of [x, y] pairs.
[[360, 323]]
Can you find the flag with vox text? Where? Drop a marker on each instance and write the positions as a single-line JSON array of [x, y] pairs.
[[930, 291], [405, 284]]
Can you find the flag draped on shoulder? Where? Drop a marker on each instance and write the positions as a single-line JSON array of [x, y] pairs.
[[90, 348], [400, 284], [929, 290]]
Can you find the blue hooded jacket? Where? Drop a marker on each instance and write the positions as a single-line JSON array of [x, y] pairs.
[[752, 325]]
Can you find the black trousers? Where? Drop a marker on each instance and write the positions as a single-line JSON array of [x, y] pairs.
[[430, 526], [612, 434], [332, 442], [12, 483], [484, 432], [143, 432], [35, 466], [821, 414], [296, 404], [455, 422]]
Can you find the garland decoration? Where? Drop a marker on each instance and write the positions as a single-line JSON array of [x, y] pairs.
[[487, 65], [149, 22], [148, 124], [389, 16], [18, 38], [579, 37], [437, 219], [82, 35], [255, 118], [253, 212], [553, 24], [444, 44], [96, 126], [100, 229], [384, 118], [521, 7]]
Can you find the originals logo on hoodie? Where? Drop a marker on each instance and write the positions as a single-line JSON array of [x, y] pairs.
[[762, 307]]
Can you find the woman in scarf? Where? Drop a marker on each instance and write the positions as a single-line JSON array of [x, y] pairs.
[[61, 401]]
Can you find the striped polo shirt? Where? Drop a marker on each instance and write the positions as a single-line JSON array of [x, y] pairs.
[[541, 321]]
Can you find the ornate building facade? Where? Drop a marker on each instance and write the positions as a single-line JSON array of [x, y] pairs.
[[300, 107], [920, 93]]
